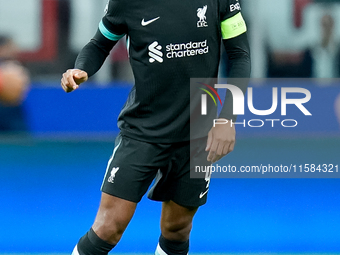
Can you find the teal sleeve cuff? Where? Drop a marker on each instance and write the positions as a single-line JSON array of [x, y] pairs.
[[105, 32]]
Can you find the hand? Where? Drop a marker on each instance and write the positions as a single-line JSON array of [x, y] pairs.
[[221, 141], [15, 82], [72, 78]]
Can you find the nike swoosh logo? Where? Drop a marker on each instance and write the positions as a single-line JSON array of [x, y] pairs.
[[203, 193], [145, 23]]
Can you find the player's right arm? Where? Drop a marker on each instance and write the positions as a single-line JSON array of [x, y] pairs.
[[92, 56]]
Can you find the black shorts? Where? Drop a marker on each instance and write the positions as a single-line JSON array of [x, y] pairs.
[[135, 164]]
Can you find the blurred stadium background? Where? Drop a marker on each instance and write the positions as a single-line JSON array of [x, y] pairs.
[[52, 163]]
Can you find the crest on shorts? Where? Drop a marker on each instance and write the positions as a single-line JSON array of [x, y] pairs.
[[113, 174]]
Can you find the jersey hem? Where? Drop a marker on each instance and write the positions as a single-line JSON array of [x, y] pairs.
[[152, 139], [156, 140]]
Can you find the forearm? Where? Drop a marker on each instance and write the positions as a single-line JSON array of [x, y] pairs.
[[239, 67], [93, 55]]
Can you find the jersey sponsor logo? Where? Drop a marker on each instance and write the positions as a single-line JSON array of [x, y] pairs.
[[113, 174], [201, 15], [145, 23], [234, 7], [155, 53], [178, 50], [189, 49]]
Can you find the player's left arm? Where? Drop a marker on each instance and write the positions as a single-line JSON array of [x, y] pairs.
[[221, 138]]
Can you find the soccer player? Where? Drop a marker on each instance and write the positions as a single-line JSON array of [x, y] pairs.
[[169, 42]]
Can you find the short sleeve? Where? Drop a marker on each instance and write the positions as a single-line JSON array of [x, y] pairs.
[[232, 22], [113, 26]]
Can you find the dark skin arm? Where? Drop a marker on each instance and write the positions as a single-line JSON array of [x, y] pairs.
[[88, 62], [221, 138]]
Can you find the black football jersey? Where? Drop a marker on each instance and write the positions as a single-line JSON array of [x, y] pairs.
[[169, 42]]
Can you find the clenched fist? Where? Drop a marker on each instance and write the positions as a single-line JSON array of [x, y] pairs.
[[72, 78]]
